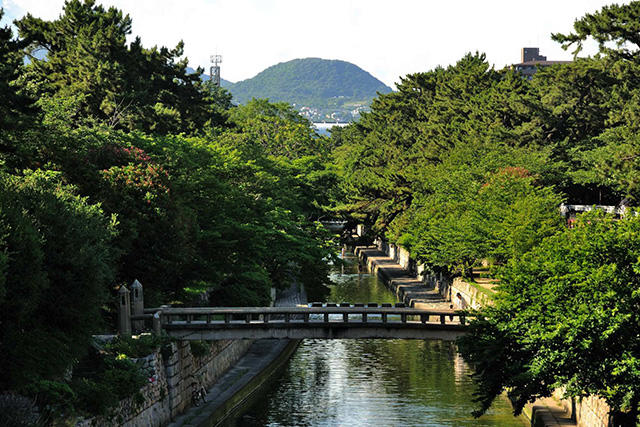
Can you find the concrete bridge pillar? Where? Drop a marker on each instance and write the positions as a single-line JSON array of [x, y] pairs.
[[137, 305], [124, 312]]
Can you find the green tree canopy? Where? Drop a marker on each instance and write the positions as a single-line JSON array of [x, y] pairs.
[[566, 315], [114, 83], [56, 269], [16, 107]]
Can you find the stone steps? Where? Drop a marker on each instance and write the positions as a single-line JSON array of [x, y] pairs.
[[408, 288]]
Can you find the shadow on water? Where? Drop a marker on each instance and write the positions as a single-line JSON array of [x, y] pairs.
[[371, 382]]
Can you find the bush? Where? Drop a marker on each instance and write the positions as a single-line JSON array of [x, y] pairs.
[[17, 411], [199, 348], [135, 348], [55, 277], [55, 398], [116, 379]]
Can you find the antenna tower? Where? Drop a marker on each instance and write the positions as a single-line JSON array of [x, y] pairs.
[[214, 71]]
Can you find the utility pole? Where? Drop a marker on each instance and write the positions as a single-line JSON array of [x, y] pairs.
[[214, 71]]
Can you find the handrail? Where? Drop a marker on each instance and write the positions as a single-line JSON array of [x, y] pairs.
[[252, 316], [302, 310], [306, 310]]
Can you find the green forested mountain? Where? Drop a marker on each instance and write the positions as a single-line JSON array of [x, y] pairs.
[[319, 84]]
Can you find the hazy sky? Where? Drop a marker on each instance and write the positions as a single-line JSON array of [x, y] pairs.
[[387, 38]]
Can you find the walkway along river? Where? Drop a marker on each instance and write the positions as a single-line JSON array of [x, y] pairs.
[[371, 382]]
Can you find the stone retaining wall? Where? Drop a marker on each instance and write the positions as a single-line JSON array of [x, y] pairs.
[[590, 411], [464, 295], [173, 372]]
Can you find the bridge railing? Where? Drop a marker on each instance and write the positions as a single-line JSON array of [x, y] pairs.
[[317, 314], [220, 316]]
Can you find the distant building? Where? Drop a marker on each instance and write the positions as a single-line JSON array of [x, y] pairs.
[[531, 61]]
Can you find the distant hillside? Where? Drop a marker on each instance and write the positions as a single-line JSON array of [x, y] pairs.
[[309, 81], [321, 89]]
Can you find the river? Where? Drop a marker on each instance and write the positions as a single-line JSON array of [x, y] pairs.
[[325, 128], [371, 382]]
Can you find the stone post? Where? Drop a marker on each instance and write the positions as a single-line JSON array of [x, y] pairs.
[[137, 305], [124, 312], [157, 327]]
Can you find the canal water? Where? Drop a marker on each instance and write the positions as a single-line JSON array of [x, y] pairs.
[[371, 382]]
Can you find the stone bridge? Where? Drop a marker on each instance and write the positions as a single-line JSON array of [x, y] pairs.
[[323, 321]]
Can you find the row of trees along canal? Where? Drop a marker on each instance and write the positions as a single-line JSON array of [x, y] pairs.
[[117, 164]]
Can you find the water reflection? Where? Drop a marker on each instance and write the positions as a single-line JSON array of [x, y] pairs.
[[372, 382]]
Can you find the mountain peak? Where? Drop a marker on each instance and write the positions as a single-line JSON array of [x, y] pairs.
[[315, 86]]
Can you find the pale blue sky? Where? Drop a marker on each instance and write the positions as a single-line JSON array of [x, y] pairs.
[[388, 39]]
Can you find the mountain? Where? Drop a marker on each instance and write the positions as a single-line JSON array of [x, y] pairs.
[[313, 84], [321, 89]]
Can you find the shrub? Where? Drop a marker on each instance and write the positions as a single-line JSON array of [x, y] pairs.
[[57, 270], [199, 348], [135, 348], [17, 411]]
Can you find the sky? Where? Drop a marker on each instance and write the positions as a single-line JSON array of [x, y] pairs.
[[389, 39]]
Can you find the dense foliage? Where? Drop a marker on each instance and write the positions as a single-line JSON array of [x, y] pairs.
[[116, 164], [56, 271], [468, 164], [567, 315], [99, 77]]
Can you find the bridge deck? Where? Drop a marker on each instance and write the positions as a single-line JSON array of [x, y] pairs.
[[208, 323]]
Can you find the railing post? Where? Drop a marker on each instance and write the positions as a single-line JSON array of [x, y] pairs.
[[124, 312], [137, 305], [164, 319], [156, 323]]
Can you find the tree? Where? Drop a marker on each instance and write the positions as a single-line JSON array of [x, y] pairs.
[[56, 273], [16, 108], [605, 155], [566, 315], [615, 28], [120, 85]]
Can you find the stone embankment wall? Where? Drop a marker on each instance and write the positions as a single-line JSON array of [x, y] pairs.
[[173, 373], [401, 256], [591, 411], [464, 295]]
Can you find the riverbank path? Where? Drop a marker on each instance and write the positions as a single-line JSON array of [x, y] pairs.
[[245, 374]]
